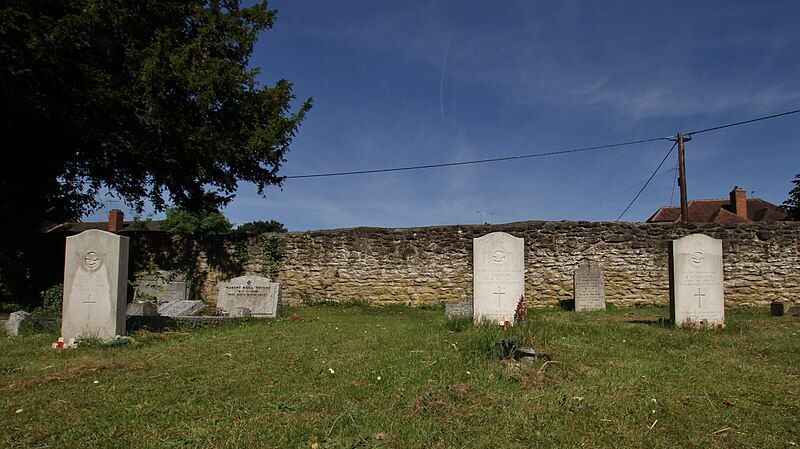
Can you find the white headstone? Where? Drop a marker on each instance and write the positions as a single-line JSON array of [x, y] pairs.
[[95, 285], [259, 294], [498, 276], [590, 291], [696, 291]]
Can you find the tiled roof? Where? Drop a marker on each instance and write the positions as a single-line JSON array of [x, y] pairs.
[[724, 216], [128, 226], [719, 211]]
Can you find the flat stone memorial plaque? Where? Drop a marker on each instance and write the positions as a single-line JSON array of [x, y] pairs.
[[95, 285], [259, 294], [180, 308], [590, 291], [498, 277], [696, 290], [161, 286]]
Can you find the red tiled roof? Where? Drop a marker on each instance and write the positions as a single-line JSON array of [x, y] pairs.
[[128, 226], [719, 211], [723, 216]]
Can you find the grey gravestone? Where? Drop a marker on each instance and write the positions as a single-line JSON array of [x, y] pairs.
[[13, 322], [259, 294], [498, 276], [180, 308], [240, 312], [590, 290], [458, 309], [95, 285], [696, 290], [162, 286], [142, 308]]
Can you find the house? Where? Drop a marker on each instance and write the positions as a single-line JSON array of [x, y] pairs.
[[735, 209], [115, 223]]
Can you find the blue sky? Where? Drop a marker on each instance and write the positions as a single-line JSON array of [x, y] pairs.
[[399, 83]]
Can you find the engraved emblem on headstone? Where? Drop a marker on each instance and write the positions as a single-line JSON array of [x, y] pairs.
[[91, 276], [499, 292], [92, 260], [699, 295], [499, 256], [697, 258]]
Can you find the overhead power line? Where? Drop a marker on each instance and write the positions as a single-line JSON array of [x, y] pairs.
[[596, 202], [674, 183], [532, 155], [479, 161], [744, 122], [648, 181]]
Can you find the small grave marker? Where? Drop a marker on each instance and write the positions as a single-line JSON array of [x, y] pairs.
[[589, 287]]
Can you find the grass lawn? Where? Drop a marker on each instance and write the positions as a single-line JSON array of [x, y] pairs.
[[401, 378]]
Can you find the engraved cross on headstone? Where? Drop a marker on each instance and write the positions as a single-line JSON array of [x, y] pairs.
[[699, 295], [498, 293]]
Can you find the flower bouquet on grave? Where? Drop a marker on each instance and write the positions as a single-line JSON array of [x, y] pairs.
[[520, 314]]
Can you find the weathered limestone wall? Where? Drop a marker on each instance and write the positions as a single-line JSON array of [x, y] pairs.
[[432, 264]]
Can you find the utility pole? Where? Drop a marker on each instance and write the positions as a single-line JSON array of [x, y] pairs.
[[682, 176]]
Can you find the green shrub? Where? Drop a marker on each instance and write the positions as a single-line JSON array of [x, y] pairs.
[[51, 302], [184, 222], [261, 227], [271, 255]]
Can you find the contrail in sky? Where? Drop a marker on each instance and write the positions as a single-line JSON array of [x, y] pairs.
[[441, 79]]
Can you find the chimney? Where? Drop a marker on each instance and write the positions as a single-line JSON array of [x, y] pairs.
[[739, 202], [115, 222]]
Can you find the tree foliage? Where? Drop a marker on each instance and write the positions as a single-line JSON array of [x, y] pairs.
[[792, 205], [153, 100], [201, 223], [261, 227]]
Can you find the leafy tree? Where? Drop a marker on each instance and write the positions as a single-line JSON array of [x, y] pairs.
[[261, 227], [792, 205], [153, 100], [204, 223]]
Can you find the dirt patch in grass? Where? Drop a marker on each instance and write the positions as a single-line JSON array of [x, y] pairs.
[[432, 401], [71, 373], [550, 374], [458, 396], [462, 391]]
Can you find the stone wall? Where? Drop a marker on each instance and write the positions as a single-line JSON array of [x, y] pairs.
[[433, 264]]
